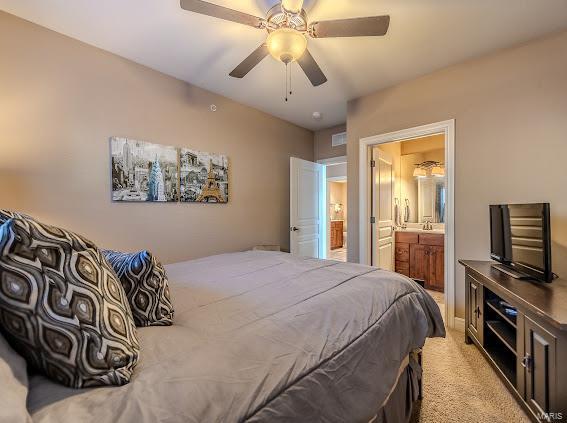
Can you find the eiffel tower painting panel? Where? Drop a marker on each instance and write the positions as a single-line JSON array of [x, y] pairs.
[[203, 177]]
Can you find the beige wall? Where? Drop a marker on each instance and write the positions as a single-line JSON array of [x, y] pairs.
[[338, 171], [323, 147], [511, 138], [60, 101]]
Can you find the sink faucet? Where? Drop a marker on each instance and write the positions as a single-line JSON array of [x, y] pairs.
[[427, 226]]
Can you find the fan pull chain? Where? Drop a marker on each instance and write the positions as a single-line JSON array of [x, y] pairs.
[[286, 82], [290, 72]]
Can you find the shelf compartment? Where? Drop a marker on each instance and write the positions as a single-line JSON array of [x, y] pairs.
[[504, 333], [504, 361], [493, 304]]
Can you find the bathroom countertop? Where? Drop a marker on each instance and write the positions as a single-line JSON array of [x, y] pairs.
[[422, 231]]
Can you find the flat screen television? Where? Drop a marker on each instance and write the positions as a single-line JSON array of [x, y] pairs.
[[520, 238]]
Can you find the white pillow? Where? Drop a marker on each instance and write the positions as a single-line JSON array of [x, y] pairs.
[[13, 385]]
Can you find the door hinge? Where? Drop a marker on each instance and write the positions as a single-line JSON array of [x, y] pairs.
[[372, 163], [372, 220]]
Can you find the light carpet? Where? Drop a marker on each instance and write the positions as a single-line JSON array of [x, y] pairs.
[[460, 386]]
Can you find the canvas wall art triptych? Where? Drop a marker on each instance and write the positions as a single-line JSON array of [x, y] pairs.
[[143, 171]]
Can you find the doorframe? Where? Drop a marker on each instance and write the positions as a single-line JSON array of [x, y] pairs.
[[333, 160], [329, 162], [447, 128]]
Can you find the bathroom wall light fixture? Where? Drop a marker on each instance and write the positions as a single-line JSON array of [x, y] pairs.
[[438, 171], [419, 172], [429, 167]]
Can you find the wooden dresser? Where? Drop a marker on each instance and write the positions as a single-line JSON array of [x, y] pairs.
[[337, 240], [421, 256], [528, 350]]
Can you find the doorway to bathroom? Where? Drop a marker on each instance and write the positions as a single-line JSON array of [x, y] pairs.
[[408, 201], [406, 192], [337, 208]]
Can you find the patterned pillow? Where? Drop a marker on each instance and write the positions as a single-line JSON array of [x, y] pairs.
[[145, 283], [6, 215], [62, 307]]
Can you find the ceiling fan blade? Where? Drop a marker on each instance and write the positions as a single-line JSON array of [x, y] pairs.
[[209, 9], [250, 62], [312, 69], [357, 27]]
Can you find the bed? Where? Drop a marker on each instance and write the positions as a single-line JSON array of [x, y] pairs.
[[263, 336]]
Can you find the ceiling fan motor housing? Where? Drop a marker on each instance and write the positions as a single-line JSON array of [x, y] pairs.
[[278, 18]]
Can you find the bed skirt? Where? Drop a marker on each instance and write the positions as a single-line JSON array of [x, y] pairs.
[[400, 404]]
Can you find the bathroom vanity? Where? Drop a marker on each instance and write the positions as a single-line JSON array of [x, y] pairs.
[[420, 255], [419, 249], [337, 239]]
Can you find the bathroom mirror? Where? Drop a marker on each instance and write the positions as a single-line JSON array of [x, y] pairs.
[[423, 197]]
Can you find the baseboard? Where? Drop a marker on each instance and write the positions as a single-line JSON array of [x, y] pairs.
[[459, 324]]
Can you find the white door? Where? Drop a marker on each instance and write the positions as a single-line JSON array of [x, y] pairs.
[[307, 209], [383, 210]]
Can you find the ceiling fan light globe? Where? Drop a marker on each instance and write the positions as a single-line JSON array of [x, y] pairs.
[[286, 44], [292, 6]]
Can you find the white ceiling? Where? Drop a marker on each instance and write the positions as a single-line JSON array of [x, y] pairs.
[[424, 35]]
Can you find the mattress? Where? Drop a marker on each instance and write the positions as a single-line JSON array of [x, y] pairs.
[[262, 336]]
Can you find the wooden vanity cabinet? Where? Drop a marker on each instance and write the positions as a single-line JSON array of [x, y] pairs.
[[419, 263], [337, 240], [422, 257], [435, 276]]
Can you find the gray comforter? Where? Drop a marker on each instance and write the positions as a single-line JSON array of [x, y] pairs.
[[262, 336]]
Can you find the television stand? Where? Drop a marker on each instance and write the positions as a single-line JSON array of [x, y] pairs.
[[510, 271], [521, 330]]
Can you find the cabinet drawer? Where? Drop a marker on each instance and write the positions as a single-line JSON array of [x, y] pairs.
[[407, 237], [402, 252], [432, 239]]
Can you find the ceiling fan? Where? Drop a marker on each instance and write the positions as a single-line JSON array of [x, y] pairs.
[[287, 26]]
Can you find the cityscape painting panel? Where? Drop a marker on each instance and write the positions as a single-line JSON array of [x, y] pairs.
[[142, 171], [203, 177]]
